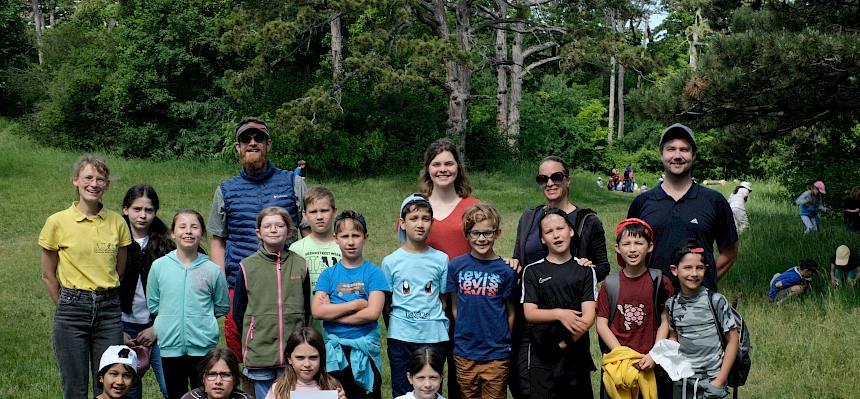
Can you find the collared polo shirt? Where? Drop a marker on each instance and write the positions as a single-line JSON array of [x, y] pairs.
[[87, 247], [701, 214]]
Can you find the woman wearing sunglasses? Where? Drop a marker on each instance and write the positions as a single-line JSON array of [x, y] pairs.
[[589, 242]]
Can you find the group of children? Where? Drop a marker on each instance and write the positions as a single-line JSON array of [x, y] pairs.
[[324, 281]]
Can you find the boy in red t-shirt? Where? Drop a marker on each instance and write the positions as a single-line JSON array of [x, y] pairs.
[[631, 302]]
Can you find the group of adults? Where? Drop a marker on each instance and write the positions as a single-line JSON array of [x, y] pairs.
[[678, 210]]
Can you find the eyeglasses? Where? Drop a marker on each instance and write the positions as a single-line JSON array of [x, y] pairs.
[[557, 178], [487, 234], [260, 137], [225, 376]]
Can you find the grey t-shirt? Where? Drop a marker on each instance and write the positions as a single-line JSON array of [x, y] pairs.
[[217, 224], [697, 332]]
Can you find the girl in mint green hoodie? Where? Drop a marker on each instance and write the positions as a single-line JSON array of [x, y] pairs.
[[187, 293]]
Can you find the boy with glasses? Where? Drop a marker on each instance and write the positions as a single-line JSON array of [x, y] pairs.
[[482, 292]]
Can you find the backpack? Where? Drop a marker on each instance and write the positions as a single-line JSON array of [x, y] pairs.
[[582, 215], [743, 362], [612, 285]]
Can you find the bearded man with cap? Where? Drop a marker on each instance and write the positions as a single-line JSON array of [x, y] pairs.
[[238, 201], [678, 209]]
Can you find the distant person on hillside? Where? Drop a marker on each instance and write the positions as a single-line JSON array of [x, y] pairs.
[[738, 203], [679, 209], [614, 178], [843, 266], [811, 202], [300, 169], [628, 179], [793, 281], [851, 210]]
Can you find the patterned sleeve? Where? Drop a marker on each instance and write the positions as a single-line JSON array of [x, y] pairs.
[[727, 320]]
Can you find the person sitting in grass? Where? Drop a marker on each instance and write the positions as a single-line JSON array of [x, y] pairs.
[[793, 281], [843, 267]]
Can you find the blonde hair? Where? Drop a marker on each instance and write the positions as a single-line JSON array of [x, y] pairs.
[[316, 193], [478, 213], [95, 161], [275, 211]]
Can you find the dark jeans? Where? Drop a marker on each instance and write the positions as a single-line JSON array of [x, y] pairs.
[[136, 390], [181, 374], [399, 354], [350, 387], [86, 323]]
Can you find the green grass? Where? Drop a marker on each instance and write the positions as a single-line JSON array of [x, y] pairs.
[[804, 348]]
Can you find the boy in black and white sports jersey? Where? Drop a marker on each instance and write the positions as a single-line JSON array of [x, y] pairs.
[[558, 299]]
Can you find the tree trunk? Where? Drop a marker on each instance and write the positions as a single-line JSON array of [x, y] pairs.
[[517, 73], [611, 127], [620, 86], [38, 23], [502, 70], [336, 55], [694, 41], [458, 78]]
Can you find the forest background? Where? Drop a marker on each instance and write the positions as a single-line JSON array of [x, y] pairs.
[[360, 87]]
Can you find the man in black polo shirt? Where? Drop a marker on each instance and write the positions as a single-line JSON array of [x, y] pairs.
[[680, 210]]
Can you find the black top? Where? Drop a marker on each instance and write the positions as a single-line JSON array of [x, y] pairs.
[[701, 214], [558, 286]]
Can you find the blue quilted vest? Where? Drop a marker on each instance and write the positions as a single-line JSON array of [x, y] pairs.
[[244, 197]]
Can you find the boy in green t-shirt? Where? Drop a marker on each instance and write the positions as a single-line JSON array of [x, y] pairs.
[[318, 248]]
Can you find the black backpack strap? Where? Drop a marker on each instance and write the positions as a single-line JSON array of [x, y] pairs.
[[612, 285], [657, 285], [674, 300], [717, 323]]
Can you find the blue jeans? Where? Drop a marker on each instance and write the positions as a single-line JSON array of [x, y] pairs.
[[811, 223], [263, 379], [136, 390], [86, 323], [399, 355]]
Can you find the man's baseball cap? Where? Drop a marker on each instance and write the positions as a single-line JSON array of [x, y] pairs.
[[678, 131], [118, 354], [259, 126]]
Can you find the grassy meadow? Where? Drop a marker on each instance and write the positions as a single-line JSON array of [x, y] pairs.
[[802, 349]]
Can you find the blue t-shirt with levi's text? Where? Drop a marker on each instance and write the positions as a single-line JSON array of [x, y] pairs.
[[482, 288], [344, 284]]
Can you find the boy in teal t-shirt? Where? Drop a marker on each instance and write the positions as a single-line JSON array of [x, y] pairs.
[[417, 274]]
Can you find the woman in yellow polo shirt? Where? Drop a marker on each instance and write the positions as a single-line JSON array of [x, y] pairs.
[[83, 257]]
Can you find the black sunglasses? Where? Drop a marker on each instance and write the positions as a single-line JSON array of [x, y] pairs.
[[557, 178], [260, 137]]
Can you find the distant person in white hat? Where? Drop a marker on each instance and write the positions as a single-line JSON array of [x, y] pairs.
[[117, 372], [738, 203], [843, 267], [811, 202]]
